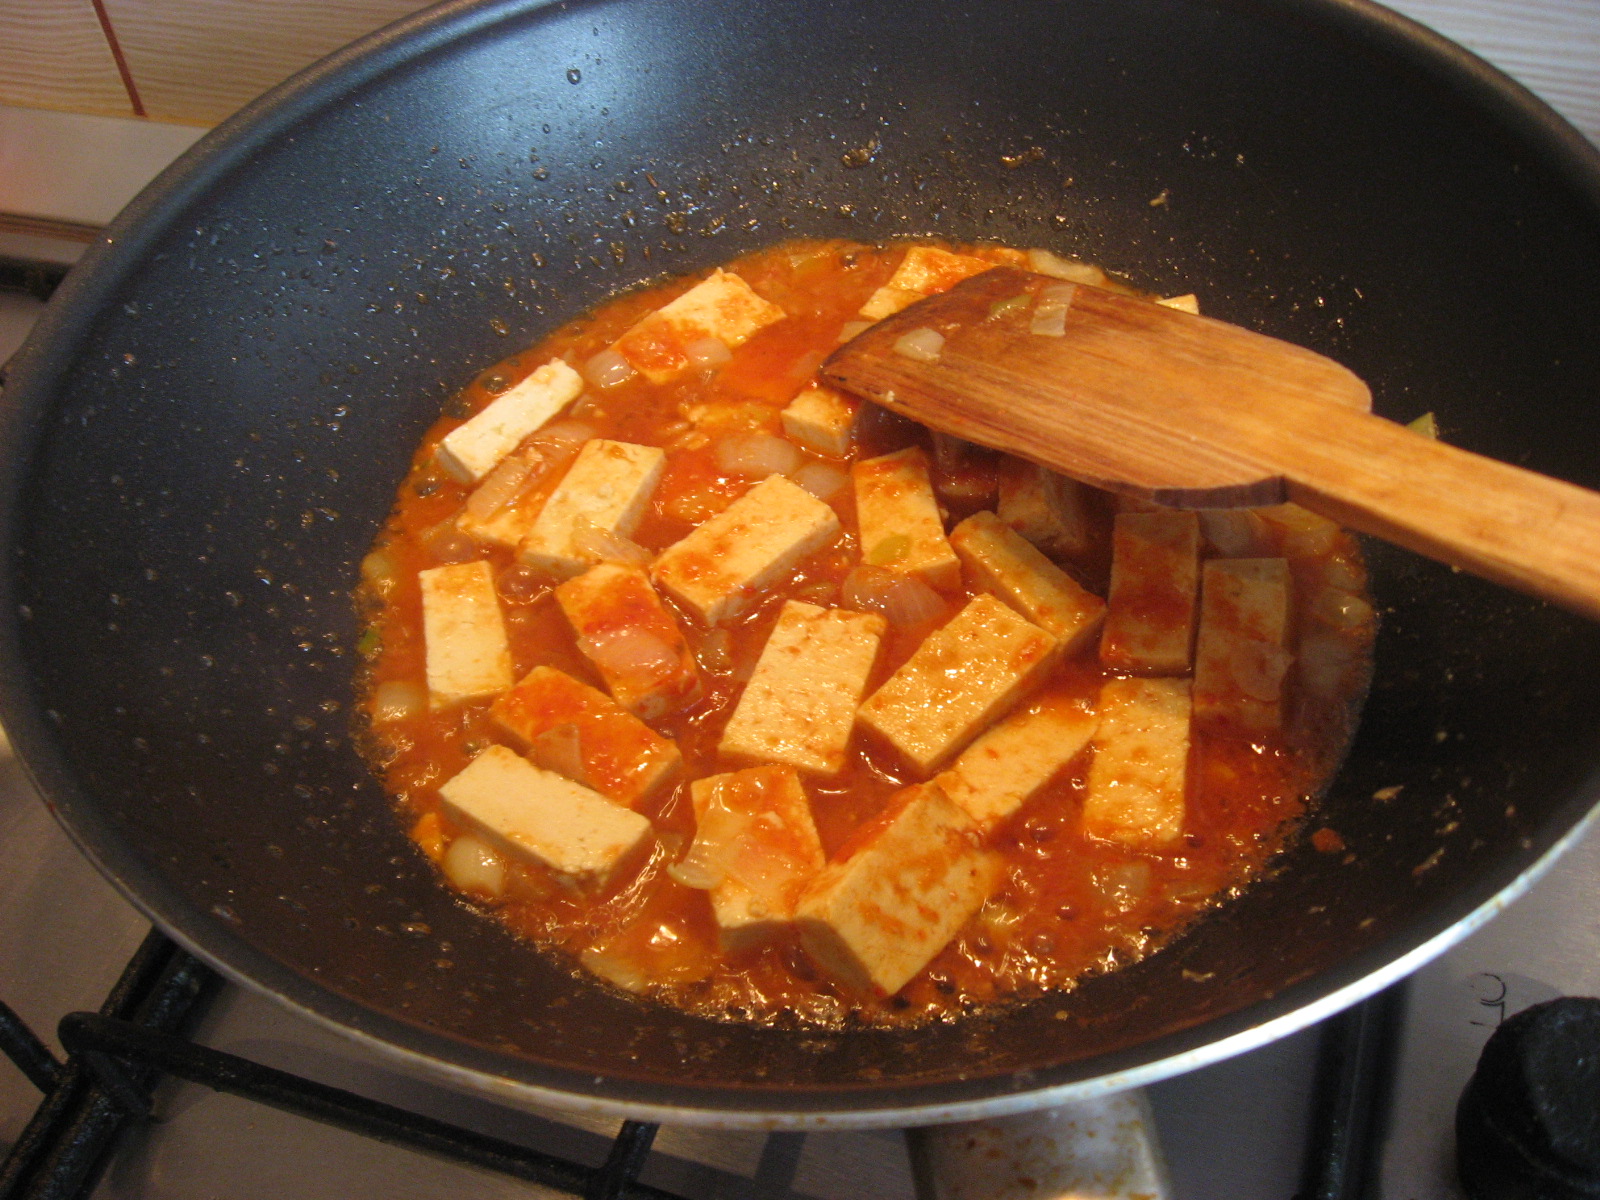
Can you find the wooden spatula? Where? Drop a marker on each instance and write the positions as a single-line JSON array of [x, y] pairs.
[[1191, 412]]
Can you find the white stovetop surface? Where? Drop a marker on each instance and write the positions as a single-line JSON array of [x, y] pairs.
[[1233, 1131]]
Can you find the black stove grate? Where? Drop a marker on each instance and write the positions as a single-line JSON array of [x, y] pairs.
[[117, 1056]]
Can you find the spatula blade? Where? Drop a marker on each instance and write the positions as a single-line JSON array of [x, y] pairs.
[[1132, 396]]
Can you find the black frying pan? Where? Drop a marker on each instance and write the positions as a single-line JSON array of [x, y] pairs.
[[208, 426]]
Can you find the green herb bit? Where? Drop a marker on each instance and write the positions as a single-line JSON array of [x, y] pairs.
[[1425, 425], [890, 550]]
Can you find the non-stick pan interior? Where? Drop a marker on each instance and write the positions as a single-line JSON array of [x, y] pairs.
[[207, 431]]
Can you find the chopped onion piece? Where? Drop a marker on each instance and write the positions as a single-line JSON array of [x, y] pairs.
[[1045, 263], [473, 866], [853, 329], [607, 369], [558, 749], [502, 485], [728, 845], [397, 699], [1341, 609], [630, 652], [706, 353], [716, 652], [821, 479], [757, 455], [592, 541], [521, 584], [378, 567], [446, 544], [901, 599], [922, 345], [1050, 310], [614, 969], [1233, 532], [697, 869], [1326, 659], [1304, 532], [562, 435], [1123, 885]]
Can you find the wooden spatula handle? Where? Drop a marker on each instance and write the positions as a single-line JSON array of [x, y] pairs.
[[1516, 527]]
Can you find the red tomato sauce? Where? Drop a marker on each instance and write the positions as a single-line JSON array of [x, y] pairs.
[[1068, 905]]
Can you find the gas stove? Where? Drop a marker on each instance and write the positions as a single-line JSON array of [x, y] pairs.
[[1290, 1118]]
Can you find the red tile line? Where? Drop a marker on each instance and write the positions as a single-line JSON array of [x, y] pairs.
[[116, 54]]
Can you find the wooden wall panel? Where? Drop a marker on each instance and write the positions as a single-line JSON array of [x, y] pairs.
[[54, 55], [1551, 47], [200, 60]]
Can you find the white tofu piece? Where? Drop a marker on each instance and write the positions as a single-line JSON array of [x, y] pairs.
[[1188, 302], [544, 816], [626, 632], [799, 707], [471, 450], [721, 307], [963, 678], [1050, 510], [1138, 777], [1241, 654], [1005, 564], [887, 301], [608, 485], [566, 726], [823, 420], [756, 826], [463, 634], [720, 569], [898, 522], [901, 889], [928, 269], [923, 271], [1006, 767], [1150, 609]]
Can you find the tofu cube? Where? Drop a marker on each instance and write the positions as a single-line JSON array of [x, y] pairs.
[[463, 634], [1241, 654], [1006, 767], [887, 301], [1139, 773], [964, 677], [823, 420], [799, 707], [472, 450], [608, 486], [923, 271], [721, 307], [900, 890], [754, 828], [1050, 510], [722, 568], [1150, 610], [632, 640], [544, 816], [1005, 564], [898, 519], [568, 727]]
